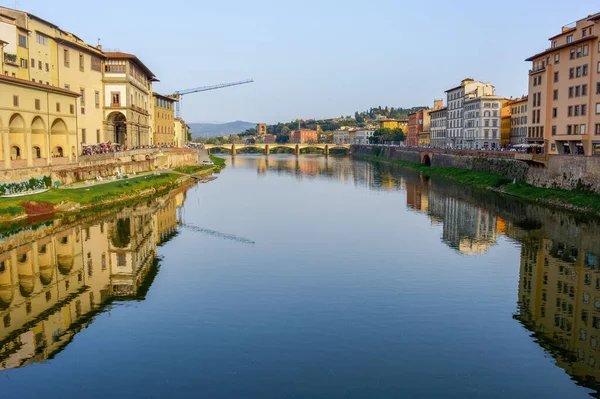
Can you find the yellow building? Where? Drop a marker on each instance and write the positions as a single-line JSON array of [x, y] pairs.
[[163, 116], [39, 51], [181, 133], [394, 124], [38, 123], [505, 124]]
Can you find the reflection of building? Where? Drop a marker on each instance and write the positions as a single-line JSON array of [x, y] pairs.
[[50, 287], [559, 299]]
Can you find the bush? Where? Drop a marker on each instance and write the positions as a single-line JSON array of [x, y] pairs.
[[26, 185]]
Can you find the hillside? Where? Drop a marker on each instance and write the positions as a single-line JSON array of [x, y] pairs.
[[219, 129]]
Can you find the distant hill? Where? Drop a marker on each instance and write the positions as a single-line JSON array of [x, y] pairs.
[[219, 129]]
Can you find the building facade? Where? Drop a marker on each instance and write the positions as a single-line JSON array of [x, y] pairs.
[[181, 133], [415, 127], [518, 121], [261, 129], [303, 136], [38, 124], [505, 123], [363, 136], [564, 91], [455, 98], [482, 122], [438, 127], [163, 120], [127, 99]]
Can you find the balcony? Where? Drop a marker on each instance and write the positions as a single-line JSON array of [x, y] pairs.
[[10, 59]]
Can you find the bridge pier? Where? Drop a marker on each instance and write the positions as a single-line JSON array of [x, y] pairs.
[[326, 150], [233, 150], [297, 150], [267, 150]]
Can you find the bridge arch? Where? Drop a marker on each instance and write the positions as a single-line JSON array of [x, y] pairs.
[[426, 160]]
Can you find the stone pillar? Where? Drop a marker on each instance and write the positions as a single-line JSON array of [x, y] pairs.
[[28, 150], [71, 142], [326, 150], [297, 150], [267, 150], [6, 148], [233, 151]]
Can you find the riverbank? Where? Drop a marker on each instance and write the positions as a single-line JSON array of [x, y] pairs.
[[566, 199]]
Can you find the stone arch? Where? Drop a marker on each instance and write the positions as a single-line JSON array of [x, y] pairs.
[[58, 127], [16, 137], [36, 152], [426, 160], [39, 142], [16, 124], [38, 125], [59, 138], [116, 121]]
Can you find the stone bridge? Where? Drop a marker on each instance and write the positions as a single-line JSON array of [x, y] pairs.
[[266, 148]]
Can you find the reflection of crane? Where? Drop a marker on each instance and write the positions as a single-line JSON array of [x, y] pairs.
[[179, 94]]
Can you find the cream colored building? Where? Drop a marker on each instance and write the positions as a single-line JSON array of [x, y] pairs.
[[518, 121], [564, 91], [482, 122], [181, 130], [127, 99], [38, 124]]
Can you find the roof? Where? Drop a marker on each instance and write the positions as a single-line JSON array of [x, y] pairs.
[[518, 100], [553, 49], [454, 88], [438, 110], [124, 56], [154, 94], [23, 82], [563, 32]]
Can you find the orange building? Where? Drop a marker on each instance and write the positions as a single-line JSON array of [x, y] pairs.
[[302, 136], [415, 127]]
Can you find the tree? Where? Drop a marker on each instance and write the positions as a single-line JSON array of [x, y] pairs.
[[285, 131], [282, 138], [234, 139]]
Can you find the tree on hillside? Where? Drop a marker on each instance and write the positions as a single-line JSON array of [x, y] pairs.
[[282, 138], [285, 131]]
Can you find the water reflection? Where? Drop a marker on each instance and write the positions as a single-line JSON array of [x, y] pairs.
[[559, 281], [55, 279]]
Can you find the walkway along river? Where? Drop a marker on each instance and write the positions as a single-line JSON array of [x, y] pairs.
[[305, 276]]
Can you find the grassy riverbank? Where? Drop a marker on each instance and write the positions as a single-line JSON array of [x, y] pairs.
[[195, 169], [572, 200], [219, 162], [96, 195]]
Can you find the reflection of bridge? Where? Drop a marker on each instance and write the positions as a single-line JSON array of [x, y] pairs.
[[266, 148]]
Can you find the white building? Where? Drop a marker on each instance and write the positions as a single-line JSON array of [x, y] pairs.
[[438, 127], [341, 137], [483, 122], [455, 100], [363, 135]]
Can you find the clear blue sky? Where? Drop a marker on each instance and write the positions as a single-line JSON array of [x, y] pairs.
[[318, 58]]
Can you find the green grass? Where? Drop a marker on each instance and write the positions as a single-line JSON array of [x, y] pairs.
[[574, 200], [191, 169], [89, 195], [219, 162]]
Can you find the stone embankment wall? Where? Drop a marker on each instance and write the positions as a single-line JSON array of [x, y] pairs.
[[90, 167], [485, 161], [565, 172]]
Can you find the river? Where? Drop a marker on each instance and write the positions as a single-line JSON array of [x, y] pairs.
[[304, 277]]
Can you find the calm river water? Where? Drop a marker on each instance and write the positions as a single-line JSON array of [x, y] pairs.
[[304, 277]]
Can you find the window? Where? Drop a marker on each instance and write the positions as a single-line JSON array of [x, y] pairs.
[[583, 109], [554, 112], [556, 58], [571, 92], [57, 107], [15, 101], [586, 50], [597, 128], [570, 111], [83, 135], [554, 130], [578, 52], [66, 57], [97, 99], [598, 108], [116, 99], [82, 110], [23, 63], [38, 105], [584, 90], [22, 41], [96, 64], [571, 73], [570, 39], [41, 39], [598, 88], [578, 72], [577, 91], [585, 70], [39, 65], [555, 77], [67, 87], [576, 110], [71, 109], [572, 54], [82, 96], [582, 129], [33, 63], [569, 129], [81, 62], [47, 67]]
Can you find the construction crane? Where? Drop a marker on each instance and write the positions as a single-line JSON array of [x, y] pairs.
[[178, 95]]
